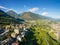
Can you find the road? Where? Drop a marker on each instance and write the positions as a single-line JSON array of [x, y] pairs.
[[4, 32]]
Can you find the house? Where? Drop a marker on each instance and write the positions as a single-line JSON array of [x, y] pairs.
[[13, 35], [19, 38], [16, 31]]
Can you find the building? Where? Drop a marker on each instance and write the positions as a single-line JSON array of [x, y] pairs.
[[14, 43]]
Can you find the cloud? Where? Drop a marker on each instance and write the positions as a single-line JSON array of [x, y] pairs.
[[44, 13], [7, 9], [33, 9], [3, 7]]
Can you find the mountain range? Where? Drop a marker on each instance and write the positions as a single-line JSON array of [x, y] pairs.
[[12, 17], [28, 15]]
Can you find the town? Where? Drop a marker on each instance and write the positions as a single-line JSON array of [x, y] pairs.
[[13, 32]]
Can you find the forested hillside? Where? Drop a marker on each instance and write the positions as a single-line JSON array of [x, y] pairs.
[[7, 19]]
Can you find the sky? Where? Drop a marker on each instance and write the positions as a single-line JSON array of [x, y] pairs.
[[49, 8]]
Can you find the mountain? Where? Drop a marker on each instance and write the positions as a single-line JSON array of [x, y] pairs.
[[7, 19], [12, 13], [29, 16], [33, 16]]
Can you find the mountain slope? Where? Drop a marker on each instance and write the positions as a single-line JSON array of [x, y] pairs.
[[12, 13], [7, 19], [41, 34], [33, 16], [29, 16], [37, 36]]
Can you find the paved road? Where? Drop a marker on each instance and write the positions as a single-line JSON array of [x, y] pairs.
[[4, 32]]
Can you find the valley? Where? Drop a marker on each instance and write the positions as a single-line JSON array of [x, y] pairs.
[[28, 29]]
